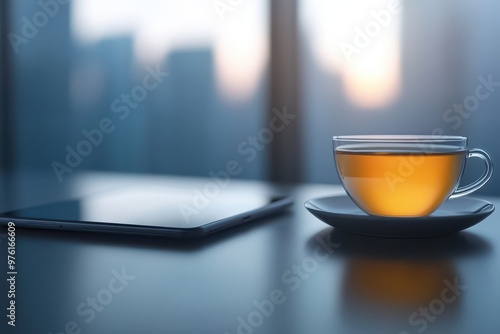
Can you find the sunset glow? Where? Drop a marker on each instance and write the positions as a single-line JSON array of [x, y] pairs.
[[158, 27], [370, 73]]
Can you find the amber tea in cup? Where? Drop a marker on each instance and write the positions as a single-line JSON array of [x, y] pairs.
[[404, 176]]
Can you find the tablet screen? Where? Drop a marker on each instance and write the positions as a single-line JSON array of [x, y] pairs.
[[150, 206]]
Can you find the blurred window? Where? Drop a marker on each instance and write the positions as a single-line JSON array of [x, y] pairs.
[[398, 67], [158, 86]]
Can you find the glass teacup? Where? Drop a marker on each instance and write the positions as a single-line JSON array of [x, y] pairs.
[[405, 175]]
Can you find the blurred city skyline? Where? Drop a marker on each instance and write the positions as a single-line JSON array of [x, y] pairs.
[[423, 61]]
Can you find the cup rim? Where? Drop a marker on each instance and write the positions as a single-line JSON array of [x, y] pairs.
[[399, 138]]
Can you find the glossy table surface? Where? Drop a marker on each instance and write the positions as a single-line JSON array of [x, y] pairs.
[[289, 273]]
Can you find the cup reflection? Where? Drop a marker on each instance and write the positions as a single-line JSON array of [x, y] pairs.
[[396, 283]]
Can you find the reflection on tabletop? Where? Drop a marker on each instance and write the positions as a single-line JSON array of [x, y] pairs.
[[401, 280]]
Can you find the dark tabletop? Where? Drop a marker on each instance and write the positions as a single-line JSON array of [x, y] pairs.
[[286, 274]]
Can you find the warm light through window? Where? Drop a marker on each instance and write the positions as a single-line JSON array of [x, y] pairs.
[[157, 27], [369, 71]]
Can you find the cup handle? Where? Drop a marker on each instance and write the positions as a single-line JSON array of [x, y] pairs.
[[470, 188]]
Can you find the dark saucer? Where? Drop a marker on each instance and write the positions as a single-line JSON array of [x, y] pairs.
[[453, 216]]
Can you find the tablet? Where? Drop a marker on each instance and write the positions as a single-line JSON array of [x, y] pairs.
[[173, 212]]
